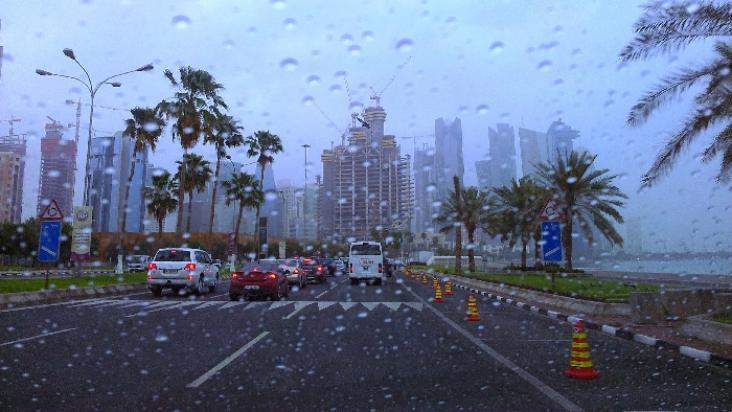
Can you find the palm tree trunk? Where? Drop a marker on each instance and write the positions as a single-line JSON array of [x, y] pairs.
[[256, 223], [524, 242], [190, 209], [160, 226], [181, 194], [458, 249], [125, 205], [567, 238], [471, 250], [213, 195]]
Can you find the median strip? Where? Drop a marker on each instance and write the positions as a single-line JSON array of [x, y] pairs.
[[221, 365]]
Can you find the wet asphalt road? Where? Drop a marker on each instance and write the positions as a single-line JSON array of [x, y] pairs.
[[328, 347]]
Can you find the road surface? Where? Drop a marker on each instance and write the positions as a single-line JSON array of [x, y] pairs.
[[328, 347]]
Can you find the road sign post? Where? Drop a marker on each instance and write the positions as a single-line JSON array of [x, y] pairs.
[[49, 240], [551, 232]]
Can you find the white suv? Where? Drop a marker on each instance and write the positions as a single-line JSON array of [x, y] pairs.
[[179, 268]]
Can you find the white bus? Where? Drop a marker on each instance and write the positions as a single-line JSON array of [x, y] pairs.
[[366, 262]]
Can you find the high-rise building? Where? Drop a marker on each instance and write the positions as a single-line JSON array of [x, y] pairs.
[[534, 149], [9, 182], [559, 139], [271, 209], [12, 197], [483, 170], [292, 210], [424, 189], [502, 155], [110, 167], [366, 183], [448, 155], [58, 169]]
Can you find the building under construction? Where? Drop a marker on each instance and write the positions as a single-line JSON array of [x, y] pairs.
[[58, 169], [12, 171], [366, 182]]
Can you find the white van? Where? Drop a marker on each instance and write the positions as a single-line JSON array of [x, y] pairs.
[[366, 261]]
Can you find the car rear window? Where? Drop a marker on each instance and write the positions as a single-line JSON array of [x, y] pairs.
[[172, 255], [292, 262], [366, 249], [310, 262], [261, 267]]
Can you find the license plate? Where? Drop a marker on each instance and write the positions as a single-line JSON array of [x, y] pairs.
[[252, 287], [170, 270]]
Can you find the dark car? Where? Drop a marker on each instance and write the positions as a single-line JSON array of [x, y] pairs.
[[259, 279], [389, 267], [330, 266], [313, 269]]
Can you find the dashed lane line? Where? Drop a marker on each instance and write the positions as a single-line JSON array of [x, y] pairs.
[[42, 335], [221, 365]]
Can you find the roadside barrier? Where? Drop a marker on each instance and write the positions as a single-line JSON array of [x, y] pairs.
[[580, 364], [472, 308]]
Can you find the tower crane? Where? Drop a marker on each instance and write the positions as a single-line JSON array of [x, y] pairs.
[[11, 121], [414, 139]]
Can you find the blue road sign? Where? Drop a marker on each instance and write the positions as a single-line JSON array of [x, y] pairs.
[[551, 234], [49, 243]]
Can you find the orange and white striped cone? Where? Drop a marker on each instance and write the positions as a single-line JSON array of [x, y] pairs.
[[424, 279], [438, 294], [448, 288], [472, 308], [435, 283], [580, 364]]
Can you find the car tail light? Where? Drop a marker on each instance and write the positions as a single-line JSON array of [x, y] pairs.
[[380, 268], [237, 275], [272, 276], [190, 277], [350, 267], [320, 268], [296, 271], [152, 266], [189, 266]]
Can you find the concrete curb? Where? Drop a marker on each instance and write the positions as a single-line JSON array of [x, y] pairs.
[[698, 354], [14, 300]]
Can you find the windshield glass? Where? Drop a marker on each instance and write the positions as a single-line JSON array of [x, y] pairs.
[[173, 255], [365, 249], [265, 266]]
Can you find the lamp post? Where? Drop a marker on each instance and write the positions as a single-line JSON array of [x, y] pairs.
[[305, 196], [93, 89]]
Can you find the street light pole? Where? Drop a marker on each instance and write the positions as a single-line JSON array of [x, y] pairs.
[[92, 89], [305, 196]]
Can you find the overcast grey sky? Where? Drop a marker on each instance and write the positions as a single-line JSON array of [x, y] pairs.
[[529, 62]]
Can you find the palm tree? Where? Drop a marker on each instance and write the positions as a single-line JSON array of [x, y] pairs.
[[199, 173], [665, 29], [243, 189], [195, 101], [145, 128], [450, 217], [473, 202], [226, 134], [515, 213], [263, 145], [585, 194], [161, 198]]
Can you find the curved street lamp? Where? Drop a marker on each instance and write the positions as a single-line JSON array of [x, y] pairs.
[[93, 89]]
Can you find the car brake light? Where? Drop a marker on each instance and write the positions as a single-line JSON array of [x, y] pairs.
[[236, 275], [296, 271], [320, 268], [380, 268], [152, 266], [190, 266], [272, 276]]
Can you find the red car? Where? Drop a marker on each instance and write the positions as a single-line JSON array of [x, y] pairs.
[[259, 279]]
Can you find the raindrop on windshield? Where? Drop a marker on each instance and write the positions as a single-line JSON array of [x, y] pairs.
[[313, 80], [277, 4], [289, 24], [288, 64], [404, 45], [367, 35], [308, 100], [150, 127], [544, 65], [496, 47], [354, 50], [482, 109], [181, 22], [229, 44]]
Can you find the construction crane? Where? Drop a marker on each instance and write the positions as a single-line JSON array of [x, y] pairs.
[[11, 121], [414, 140], [376, 96]]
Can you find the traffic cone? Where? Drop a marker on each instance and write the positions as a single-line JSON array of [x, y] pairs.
[[580, 364], [448, 288], [435, 283], [472, 308], [424, 279], [438, 293]]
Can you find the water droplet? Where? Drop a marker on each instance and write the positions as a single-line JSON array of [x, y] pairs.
[[693, 8], [228, 44], [161, 338], [181, 22], [340, 75], [289, 24], [571, 180], [362, 314], [367, 35], [354, 50], [346, 39], [53, 173], [496, 47], [277, 4], [355, 106], [724, 71], [404, 45], [431, 188], [544, 65], [288, 64], [335, 89], [151, 127], [482, 109], [308, 100], [313, 80], [270, 195]]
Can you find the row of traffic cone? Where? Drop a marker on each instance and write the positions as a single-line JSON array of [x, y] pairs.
[[580, 365]]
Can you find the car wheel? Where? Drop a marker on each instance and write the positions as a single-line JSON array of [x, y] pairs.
[[377, 281], [156, 291], [176, 290], [233, 297], [212, 288], [287, 291]]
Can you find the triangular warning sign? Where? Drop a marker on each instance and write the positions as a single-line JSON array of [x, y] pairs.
[[52, 212], [550, 211]]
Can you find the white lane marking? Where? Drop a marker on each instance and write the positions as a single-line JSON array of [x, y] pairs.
[[232, 304], [207, 304], [298, 307], [218, 296], [279, 304], [321, 294], [114, 303], [348, 305], [92, 303], [415, 305], [203, 378], [392, 305], [531, 379], [370, 305], [42, 335], [139, 303], [324, 304]]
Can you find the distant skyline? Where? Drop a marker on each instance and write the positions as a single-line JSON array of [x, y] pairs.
[[525, 63]]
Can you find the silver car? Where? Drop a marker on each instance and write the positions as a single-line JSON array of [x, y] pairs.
[[291, 268], [179, 268]]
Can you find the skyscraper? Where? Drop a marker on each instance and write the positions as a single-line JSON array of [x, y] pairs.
[[424, 188], [9, 182], [502, 155], [58, 169], [534, 149], [11, 191], [559, 139], [366, 184], [483, 170], [110, 171], [271, 209], [448, 155]]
